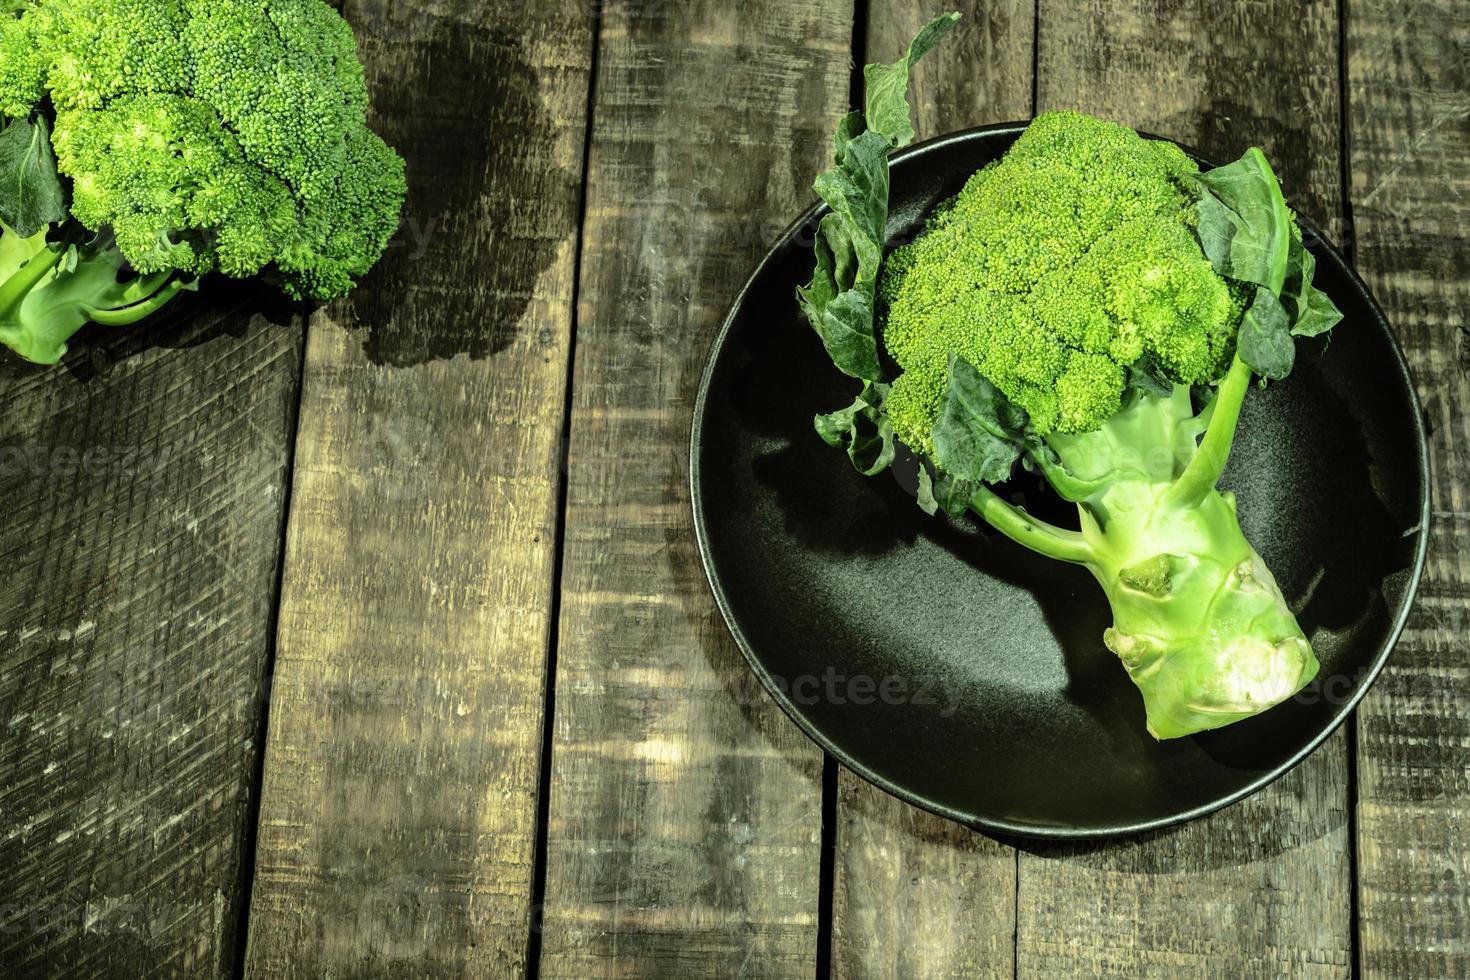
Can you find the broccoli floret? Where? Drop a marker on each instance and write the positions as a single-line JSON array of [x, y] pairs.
[[1053, 271], [1064, 309], [199, 136]]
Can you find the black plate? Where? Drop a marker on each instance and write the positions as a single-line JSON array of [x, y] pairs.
[[967, 675]]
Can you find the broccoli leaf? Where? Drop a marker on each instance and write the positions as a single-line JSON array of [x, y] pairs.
[[858, 188], [945, 493], [1265, 341], [31, 195], [862, 429], [839, 301], [954, 495], [1144, 376], [928, 503], [1244, 224], [1317, 316], [1248, 233], [887, 85], [1310, 309], [980, 432]]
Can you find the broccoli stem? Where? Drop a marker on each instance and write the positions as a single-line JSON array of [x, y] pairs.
[[49, 291], [16, 288], [1028, 531], [1198, 620], [1205, 469], [124, 315]]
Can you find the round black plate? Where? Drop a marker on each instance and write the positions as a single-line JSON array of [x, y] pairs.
[[966, 675]]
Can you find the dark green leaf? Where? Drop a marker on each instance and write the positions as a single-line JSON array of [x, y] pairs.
[[1265, 341], [1243, 223], [979, 434], [839, 301], [1310, 309], [887, 86], [1215, 225], [847, 333], [858, 189], [953, 495], [1301, 266], [862, 429], [31, 195], [849, 128], [1144, 376], [928, 503], [1319, 316]]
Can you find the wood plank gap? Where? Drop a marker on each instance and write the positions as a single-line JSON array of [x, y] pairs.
[[548, 697], [1035, 108], [1016, 900], [1348, 245], [857, 97], [1346, 238], [1346, 242], [262, 728], [828, 865]]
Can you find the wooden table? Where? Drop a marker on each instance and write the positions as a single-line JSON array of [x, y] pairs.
[[375, 642]]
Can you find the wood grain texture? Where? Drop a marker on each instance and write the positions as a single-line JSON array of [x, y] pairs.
[[980, 74], [399, 804], [916, 895], [685, 811], [1409, 120], [1261, 889], [144, 496]]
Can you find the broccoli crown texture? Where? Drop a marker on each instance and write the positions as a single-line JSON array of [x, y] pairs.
[[1053, 271], [223, 135]]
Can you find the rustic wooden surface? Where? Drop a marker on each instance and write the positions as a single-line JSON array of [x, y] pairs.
[[1409, 132], [507, 731], [685, 811], [399, 802], [144, 491]]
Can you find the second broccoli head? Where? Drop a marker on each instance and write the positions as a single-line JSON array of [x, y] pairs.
[[207, 135]]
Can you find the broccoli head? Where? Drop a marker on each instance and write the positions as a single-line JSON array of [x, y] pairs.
[[1052, 272], [200, 136]]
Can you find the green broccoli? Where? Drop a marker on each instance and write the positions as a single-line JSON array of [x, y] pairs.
[[151, 142], [1069, 310]]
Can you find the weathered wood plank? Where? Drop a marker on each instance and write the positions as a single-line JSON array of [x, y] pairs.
[[916, 895], [1262, 888], [1409, 119], [685, 812], [399, 806], [144, 496]]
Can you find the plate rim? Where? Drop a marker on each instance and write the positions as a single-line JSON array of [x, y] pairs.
[[990, 823]]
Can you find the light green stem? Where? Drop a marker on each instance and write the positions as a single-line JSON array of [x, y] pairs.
[[19, 285], [1027, 531], [125, 315], [1205, 469]]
